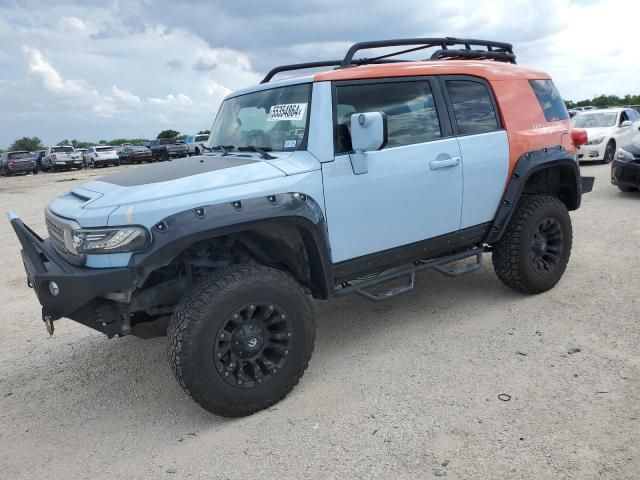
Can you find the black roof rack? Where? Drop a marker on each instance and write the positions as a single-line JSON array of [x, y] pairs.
[[466, 49]]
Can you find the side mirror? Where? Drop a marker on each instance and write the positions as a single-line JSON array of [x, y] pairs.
[[626, 123], [368, 133]]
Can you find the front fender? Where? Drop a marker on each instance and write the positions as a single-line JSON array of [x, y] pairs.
[[179, 231]]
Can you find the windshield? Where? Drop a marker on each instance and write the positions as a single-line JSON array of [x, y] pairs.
[[595, 120], [105, 149], [137, 148], [166, 141], [201, 138], [274, 119], [19, 155], [62, 149]]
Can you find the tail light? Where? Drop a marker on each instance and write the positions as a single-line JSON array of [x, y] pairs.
[[53, 156], [579, 137]]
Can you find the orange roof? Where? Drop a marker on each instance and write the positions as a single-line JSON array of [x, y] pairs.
[[488, 69]]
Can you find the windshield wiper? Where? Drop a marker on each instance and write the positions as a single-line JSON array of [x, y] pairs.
[[223, 148], [261, 151]]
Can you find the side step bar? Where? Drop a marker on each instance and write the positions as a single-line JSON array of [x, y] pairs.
[[439, 265]]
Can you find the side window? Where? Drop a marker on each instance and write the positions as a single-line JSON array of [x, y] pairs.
[[409, 107], [472, 107], [550, 100], [623, 118]]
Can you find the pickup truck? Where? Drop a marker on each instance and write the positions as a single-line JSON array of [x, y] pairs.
[[165, 148], [61, 157]]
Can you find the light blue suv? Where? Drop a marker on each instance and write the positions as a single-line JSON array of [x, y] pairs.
[[317, 186]]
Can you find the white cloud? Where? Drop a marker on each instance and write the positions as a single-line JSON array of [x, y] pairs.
[[180, 100], [73, 23], [125, 97], [117, 69]]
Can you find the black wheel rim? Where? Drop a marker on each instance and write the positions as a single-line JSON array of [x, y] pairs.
[[547, 245], [608, 153], [252, 345]]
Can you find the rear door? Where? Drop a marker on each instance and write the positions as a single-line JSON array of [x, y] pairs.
[[413, 188], [484, 146]]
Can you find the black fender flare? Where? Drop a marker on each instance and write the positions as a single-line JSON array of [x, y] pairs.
[[179, 231], [526, 166]]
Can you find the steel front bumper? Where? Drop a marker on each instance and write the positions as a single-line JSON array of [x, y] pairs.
[[76, 286]]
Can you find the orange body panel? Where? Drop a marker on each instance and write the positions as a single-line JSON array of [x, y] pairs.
[[521, 114]]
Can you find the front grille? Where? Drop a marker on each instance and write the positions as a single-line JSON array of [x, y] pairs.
[[56, 231]]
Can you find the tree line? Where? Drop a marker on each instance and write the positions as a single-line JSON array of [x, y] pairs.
[[33, 144], [606, 101]]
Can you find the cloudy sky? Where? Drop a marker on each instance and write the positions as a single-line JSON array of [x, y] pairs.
[[93, 70]]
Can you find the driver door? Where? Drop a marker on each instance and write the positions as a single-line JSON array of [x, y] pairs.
[[412, 191]]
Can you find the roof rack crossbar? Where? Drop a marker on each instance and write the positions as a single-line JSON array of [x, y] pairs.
[[299, 66], [498, 51], [473, 54], [443, 42], [328, 63]]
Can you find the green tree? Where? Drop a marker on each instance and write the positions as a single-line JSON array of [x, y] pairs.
[[168, 134], [30, 144], [204, 132]]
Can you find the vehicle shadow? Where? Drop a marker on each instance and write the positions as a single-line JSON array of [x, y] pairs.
[[128, 381]]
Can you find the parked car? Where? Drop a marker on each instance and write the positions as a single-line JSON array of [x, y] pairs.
[[196, 144], [348, 180], [61, 157], [166, 148], [120, 147], [636, 108], [37, 157], [625, 169], [101, 156], [607, 130], [135, 154], [16, 162]]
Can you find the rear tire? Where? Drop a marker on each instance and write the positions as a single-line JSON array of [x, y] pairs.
[[534, 250], [241, 339]]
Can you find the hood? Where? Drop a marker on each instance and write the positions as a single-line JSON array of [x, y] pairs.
[[167, 180]]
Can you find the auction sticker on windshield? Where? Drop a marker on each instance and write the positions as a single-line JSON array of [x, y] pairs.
[[287, 111]]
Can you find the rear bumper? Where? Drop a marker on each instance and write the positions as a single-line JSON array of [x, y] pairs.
[[106, 161], [20, 168], [78, 286], [625, 174]]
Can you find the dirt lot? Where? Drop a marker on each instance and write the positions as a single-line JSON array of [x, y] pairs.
[[405, 389]]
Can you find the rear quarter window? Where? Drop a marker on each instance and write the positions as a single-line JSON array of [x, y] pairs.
[[472, 107], [550, 100]]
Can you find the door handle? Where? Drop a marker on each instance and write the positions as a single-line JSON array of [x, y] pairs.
[[446, 163]]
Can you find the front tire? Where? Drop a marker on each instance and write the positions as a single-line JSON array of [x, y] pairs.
[[533, 253], [609, 152], [241, 339]]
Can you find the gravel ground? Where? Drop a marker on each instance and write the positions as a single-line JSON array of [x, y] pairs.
[[404, 389]]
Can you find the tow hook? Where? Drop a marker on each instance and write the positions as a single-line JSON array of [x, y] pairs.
[[48, 323]]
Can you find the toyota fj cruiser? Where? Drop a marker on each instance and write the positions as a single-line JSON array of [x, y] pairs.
[[349, 180]]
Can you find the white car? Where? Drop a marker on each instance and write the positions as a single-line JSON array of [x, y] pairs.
[[607, 130], [101, 155], [196, 144]]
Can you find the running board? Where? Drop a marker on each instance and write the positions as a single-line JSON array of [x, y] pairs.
[[439, 265]]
